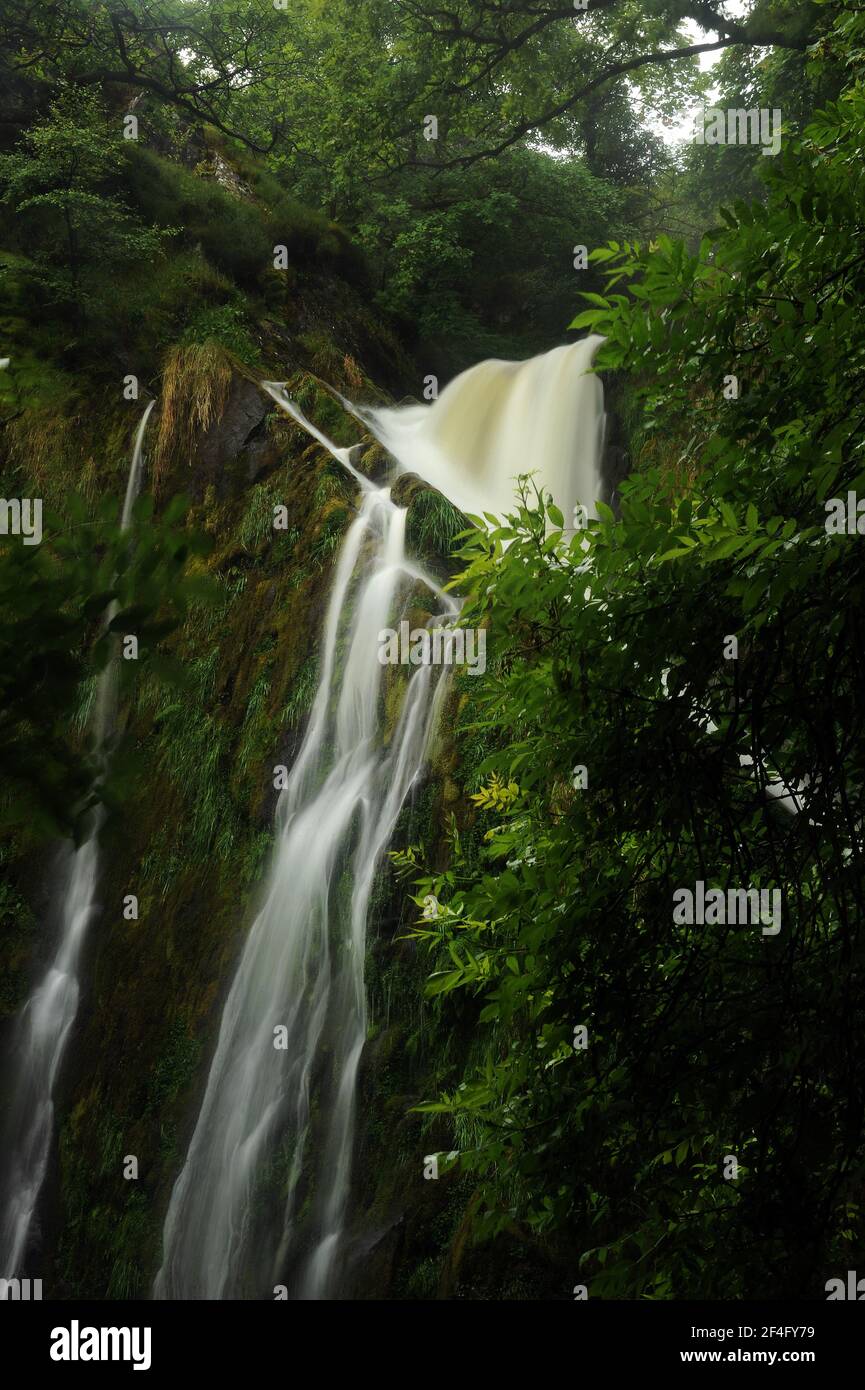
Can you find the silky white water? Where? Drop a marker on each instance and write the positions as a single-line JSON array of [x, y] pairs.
[[502, 419], [43, 1028], [303, 962], [271, 1112]]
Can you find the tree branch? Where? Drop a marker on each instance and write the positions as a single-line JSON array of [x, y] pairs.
[[607, 75]]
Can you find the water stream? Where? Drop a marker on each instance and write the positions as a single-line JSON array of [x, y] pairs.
[[42, 1030]]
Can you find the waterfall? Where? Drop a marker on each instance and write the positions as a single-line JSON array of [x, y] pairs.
[[500, 419], [300, 980], [302, 967], [43, 1028]]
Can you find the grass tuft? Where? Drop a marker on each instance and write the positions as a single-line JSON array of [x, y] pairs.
[[195, 386]]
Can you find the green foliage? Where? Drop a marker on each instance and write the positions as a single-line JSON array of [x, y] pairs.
[[481, 261], [792, 81], [703, 1040], [57, 183], [54, 597], [175, 1068], [231, 231], [433, 524], [236, 231], [302, 695], [496, 795], [226, 324]]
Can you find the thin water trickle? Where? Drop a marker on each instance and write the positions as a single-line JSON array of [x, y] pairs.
[[42, 1030]]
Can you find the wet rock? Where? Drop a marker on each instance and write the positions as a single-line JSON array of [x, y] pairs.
[[406, 487], [373, 461], [235, 450]]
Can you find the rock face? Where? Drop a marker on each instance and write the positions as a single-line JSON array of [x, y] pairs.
[[227, 177], [235, 446]]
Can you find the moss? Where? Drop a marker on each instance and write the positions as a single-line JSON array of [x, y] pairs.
[[233, 235], [432, 525], [174, 1069], [228, 325]]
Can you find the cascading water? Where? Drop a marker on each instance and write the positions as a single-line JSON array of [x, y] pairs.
[[501, 419], [43, 1027], [303, 962], [301, 975]]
